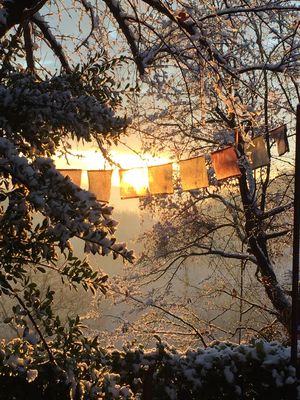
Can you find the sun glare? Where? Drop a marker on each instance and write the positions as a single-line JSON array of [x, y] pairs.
[[134, 182], [135, 174]]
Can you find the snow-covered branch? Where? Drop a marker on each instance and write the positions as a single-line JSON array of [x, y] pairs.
[[121, 18], [51, 41], [246, 10], [43, 112], [275, 235], [226, 254], [278, 67], [72, 212]]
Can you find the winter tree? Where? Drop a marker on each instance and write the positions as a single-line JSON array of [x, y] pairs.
[[43, 110], [214, 74], [218, 74]]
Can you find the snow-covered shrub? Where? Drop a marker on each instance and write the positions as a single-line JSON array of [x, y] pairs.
[[259, 370]]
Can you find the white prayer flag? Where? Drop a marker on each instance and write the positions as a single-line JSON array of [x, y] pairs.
[[280, 135], [257, 152], [161, 179], [193, 173], [73, 174], [100, 184]]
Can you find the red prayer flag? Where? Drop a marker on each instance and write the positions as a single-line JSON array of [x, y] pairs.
[[225, 163]]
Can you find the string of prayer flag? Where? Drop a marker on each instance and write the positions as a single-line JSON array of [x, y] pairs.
[[100, 184], [225, 163], [161, 179], [73, 174], [257, 152], [280, 136], [140, 182], [193, 173], [133, 183]]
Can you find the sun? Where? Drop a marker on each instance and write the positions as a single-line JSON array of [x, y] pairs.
[[134, 182], [136, 177]]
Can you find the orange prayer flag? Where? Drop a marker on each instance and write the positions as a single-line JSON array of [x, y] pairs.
[[225, 163], [280, 135], [100, 184], [257, 152], [193, 173], [73, 174], [161, 179], [133, 183]]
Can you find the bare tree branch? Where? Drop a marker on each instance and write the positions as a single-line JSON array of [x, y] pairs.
[[243, 10], [28, 45], [120, 17], [52, 42], [277, 210]]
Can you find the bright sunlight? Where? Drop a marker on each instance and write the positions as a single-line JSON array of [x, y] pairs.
[[134, 167], [134, 182]]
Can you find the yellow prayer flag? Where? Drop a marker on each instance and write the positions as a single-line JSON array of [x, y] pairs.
[[161, 179], [225, 163], [280, 135], [257, 153], [100, 184], [73, 174], [193, 173], [133, 183]]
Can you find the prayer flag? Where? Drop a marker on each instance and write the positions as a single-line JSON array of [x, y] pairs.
[[73, 174], [100, 184], [193, 173], [280, 135], [160, 179], [225, 163], [257, 152], [133, 183]]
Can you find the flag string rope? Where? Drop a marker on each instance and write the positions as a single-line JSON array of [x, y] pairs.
[[138, 182]]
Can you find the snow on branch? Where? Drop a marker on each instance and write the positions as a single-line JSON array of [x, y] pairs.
[[51, 41], [121, 18], [277, 67], [192, 28], [188, 26], [53, 109], [89, 9], [245, 10], [228, 254], [72, 212]]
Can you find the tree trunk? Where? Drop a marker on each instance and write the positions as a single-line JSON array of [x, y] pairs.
[[258, 247]]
